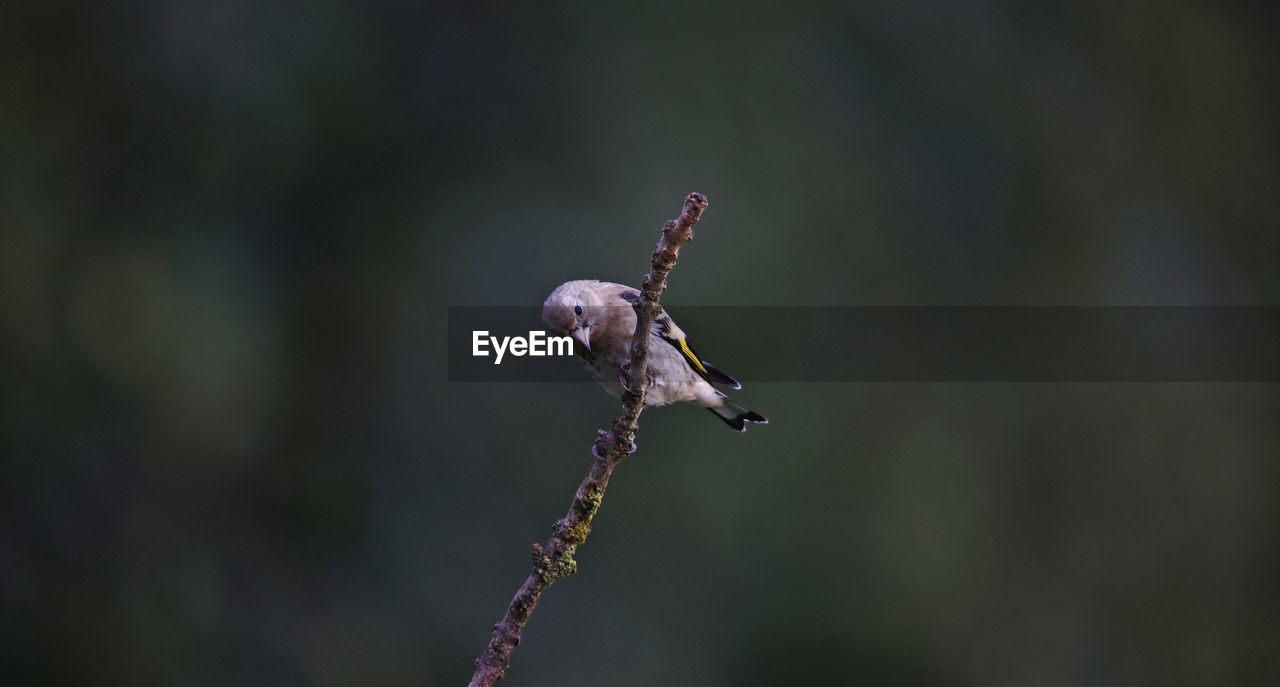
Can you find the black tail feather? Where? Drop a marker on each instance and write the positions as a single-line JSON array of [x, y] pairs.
[[737, 417]]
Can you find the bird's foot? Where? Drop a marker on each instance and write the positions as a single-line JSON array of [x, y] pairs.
[[624, 376]]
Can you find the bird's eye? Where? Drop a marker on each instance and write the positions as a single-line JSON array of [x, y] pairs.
[[577, 310]]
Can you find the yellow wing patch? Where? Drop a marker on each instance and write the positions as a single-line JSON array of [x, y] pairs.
[[688, 353]]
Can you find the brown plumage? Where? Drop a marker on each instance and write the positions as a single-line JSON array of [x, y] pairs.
[[600, 318]]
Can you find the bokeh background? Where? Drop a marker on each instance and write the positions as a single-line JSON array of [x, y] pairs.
[[229, 233]]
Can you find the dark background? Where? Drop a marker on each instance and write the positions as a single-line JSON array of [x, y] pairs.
[[231, 231]]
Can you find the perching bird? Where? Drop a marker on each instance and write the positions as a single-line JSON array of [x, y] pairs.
[[599, 317]]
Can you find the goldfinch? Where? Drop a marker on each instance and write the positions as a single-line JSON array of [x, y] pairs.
[[599, 317]]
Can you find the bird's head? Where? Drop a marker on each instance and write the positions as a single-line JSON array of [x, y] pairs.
[[571, 310]]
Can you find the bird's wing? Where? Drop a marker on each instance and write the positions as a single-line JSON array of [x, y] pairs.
[[666, 329]]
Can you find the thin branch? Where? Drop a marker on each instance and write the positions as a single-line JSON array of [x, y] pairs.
[[554, 559]]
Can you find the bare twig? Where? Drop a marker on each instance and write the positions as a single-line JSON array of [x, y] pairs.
[[554, 559]]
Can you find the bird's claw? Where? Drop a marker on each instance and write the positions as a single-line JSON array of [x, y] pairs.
[[604, 439], [624, 377]]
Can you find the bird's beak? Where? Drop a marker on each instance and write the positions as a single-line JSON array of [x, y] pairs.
[[583, 336]]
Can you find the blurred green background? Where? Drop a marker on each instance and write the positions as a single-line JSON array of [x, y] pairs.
[[230, 233]]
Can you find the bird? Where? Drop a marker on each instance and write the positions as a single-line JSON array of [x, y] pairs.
[[599, 317]]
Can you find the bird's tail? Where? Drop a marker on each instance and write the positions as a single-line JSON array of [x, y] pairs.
[[736, 416]]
